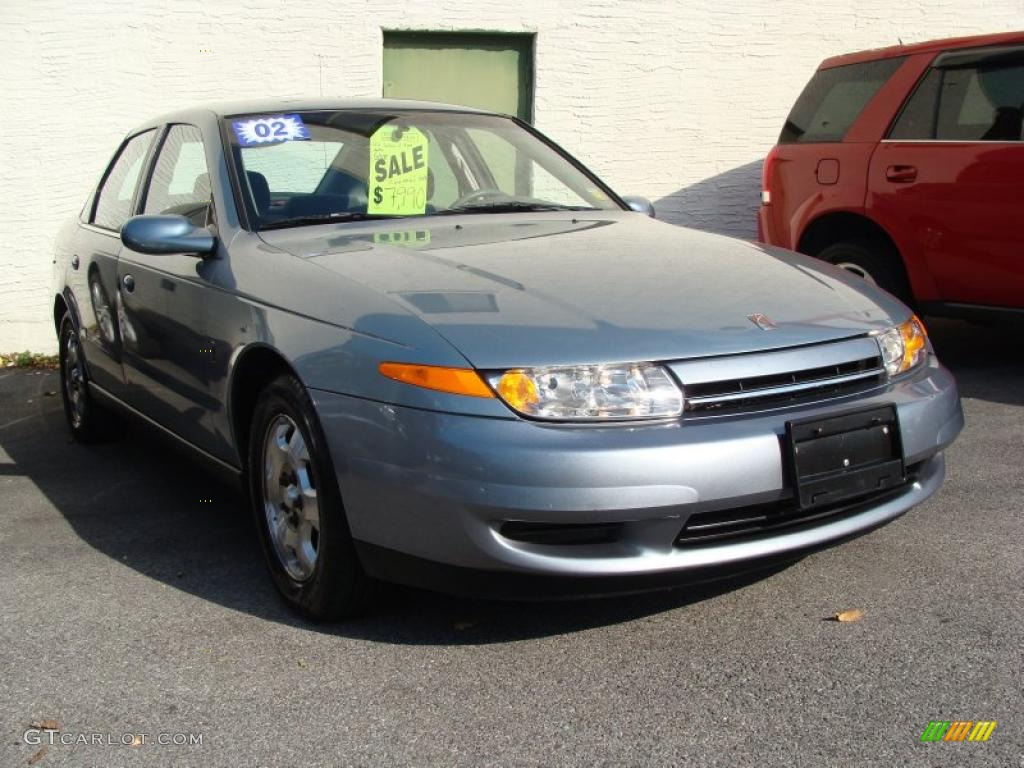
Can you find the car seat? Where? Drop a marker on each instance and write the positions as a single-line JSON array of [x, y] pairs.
[[1006, 126], [260, 191]]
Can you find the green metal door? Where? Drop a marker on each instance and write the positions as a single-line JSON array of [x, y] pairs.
[[487, 71]]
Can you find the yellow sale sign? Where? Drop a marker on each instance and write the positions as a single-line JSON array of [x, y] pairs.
[[398, 171]]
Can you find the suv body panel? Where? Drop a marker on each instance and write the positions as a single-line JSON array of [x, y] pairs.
[[959, 242]]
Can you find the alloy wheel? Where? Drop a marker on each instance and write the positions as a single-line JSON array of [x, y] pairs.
[[74, 381], [290, 498]]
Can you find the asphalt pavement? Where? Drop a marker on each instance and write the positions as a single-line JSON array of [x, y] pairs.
[[134, 606]]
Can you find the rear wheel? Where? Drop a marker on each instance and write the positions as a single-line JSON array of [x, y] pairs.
[[88, 422], [873, 260], [297, 507]]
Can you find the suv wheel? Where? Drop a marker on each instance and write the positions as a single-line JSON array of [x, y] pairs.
[[88, 422], [872, 260], [297, 507]]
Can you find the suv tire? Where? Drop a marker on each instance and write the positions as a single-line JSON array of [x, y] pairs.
[[874, 260]]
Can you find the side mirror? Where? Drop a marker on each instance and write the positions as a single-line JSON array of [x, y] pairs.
[[640, 205], [166, 234]]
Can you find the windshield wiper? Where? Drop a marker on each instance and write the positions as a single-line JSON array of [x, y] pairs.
[[505, 206], [324, 218], [512, 206]]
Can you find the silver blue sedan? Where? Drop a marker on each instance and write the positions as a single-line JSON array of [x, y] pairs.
[[437, 350]]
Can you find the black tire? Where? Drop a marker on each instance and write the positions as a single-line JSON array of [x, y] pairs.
[[335, 587], [88, 422], [874, 260]]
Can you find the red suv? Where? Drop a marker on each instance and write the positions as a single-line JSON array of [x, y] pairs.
[[906, 166]]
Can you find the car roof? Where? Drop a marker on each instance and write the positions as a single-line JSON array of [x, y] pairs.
[[930, 46], [202, 112]]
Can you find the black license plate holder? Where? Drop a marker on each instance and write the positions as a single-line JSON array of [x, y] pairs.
[[844, 456]]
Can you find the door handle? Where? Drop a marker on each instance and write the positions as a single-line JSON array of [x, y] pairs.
[[901, 174], [128, 282]]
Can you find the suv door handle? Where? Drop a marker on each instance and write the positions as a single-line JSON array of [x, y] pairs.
[[901, 174], [128, 282]]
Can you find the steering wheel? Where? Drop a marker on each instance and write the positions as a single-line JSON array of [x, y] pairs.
[[477, 194]]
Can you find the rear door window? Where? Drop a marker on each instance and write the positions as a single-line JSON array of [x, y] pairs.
[[834, 99], [982, 100], [981, 104], [114, 201]]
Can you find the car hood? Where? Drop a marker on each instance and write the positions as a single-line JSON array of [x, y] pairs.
[[561, 288]]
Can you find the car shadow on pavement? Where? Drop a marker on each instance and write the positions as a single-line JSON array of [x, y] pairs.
[[138, 501], [988, 360]]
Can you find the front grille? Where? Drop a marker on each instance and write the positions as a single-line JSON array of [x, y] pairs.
[[785, 388], [742, 522], [728, 384]]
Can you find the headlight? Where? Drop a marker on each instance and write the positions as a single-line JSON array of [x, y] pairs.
[[590, 392], [904, 346]]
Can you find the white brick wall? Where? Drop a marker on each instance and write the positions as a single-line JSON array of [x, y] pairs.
[[674, 99]]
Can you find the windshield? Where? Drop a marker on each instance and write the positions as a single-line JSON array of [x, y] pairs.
[[313, 167]]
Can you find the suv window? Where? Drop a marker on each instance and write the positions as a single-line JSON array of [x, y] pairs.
[[917, 120], [981, 104], [114, 201], [180, 182], [984, 102], [833, 99]]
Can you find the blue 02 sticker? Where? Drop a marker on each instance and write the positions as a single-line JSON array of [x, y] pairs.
[[269, 130]]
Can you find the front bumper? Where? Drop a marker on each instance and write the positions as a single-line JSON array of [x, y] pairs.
[[423, 487]]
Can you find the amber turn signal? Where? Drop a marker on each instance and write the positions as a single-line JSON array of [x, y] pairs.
[[914, 339], [455, 381]]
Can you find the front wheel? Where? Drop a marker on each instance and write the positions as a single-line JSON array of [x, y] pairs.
[[297, 507]]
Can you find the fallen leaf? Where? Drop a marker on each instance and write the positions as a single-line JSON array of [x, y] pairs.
[[303, 664], [136, 741], [38, 756], [46, 725], [461, 625], [49, 393], [854, 614]]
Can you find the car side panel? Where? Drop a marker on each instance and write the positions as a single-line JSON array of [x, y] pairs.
[[93, 283], [957, 223], [809, 181], [167, 352], [88, 258], [961, 215]]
